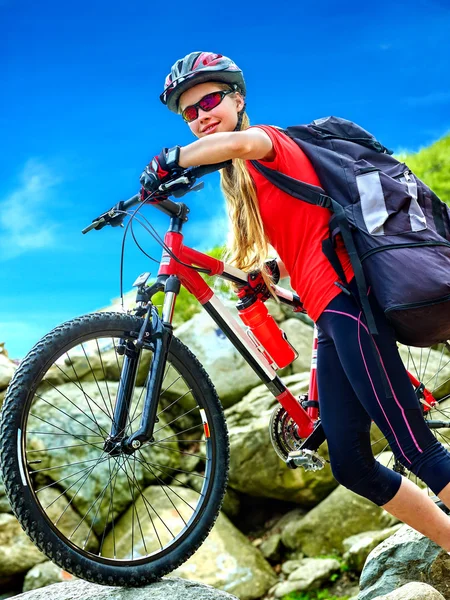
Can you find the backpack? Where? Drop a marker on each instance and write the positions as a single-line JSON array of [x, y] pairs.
[[395, 229]]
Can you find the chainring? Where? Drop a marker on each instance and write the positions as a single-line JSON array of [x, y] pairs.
[[283, 433]]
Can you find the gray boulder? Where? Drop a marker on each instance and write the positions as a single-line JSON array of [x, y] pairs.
[[358, 547], [255, 468], [226, 560], [230, 374], [300, 335], [44, 574], [173, 588], [310, 574], [17, 553], [413, 591], [324, 528], [7, 370], [405, 557]]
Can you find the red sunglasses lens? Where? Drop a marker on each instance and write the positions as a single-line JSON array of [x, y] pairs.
[[190, 113], [210, 101]]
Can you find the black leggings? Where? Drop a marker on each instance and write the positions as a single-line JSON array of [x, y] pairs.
[[352, 394]]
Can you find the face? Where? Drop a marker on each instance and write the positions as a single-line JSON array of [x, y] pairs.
[[222, 118]]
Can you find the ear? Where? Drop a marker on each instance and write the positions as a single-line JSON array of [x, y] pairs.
[[240, 102]]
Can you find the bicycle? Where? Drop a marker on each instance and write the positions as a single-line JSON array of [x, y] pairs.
[[144, 427]]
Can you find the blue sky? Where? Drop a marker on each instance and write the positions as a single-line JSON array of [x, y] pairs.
[[80, 117]]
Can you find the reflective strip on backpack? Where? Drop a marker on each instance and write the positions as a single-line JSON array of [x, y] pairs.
[[373, 206], [416, 216]]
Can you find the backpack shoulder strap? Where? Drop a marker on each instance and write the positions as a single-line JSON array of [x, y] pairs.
[[315, 195]]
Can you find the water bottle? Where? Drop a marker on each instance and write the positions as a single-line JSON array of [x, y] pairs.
[[264, 331]]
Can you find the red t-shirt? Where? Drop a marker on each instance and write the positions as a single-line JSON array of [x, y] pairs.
[[296, 229]]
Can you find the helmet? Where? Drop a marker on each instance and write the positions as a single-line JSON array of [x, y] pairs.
[[199, 67]]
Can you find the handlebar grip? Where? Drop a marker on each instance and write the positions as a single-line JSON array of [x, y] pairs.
[[93, 225], [206, 169]]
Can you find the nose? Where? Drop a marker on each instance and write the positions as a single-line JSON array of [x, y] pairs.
[[203, 115]]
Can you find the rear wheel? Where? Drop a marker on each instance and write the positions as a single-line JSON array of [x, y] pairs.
[[111, 518], [429, 371]]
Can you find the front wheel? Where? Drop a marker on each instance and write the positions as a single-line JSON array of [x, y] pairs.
[[112, 518]]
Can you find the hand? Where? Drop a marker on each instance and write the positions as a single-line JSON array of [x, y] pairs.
[[161, 168], [256, 284]]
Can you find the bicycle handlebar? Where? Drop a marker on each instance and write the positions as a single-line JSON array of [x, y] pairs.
[[182, 183]]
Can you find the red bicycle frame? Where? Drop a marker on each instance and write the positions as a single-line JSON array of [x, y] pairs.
[[178, 261]]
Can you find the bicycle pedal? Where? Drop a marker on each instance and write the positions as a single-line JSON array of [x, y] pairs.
[[307, 459]]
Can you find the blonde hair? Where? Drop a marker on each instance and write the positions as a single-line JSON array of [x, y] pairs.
[[247, 245]]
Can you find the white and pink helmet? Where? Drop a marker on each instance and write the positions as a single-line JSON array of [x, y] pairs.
[[199, 67]]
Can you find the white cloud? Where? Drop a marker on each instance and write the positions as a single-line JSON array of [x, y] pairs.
[[24, 221]]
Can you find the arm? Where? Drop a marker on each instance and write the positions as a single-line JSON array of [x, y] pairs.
[[251, 144], [283, 270]]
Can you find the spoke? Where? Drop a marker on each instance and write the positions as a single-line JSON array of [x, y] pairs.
[[163, 485], [97, 384], [74, 435], [180, 432], [80, 462], [71, 417], [176, 419], [87, 397], [110, 512], [171, 384], [106, 379], [441, 368], [96, 512], [147, 504], [63, 447], [64, 478], [91, 469], [183, 452], [102, 493], [175, 401]]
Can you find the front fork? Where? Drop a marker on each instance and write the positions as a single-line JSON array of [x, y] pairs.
[[159, 331]]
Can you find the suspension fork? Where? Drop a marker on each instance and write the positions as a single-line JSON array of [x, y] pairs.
[[161, 335]]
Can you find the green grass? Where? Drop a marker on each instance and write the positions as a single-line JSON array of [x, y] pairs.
[[313, 595]]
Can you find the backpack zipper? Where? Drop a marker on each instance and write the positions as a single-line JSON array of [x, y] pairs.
[[418, 304], [397, 246]]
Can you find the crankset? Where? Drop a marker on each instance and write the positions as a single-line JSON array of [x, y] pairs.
[[287, 443]]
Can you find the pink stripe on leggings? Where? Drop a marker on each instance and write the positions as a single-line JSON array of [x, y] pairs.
[[360, 323]]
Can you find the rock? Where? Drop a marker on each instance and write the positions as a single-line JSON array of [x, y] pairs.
[[405, 557], [53, 409], [219, 358], [270, 548], [300, 335], [324, 528], [168, 588], [413, 591], [44, 574], [357, 547], [226, 560], [17, 553], [7, 370], [309, 575], [255, 468]]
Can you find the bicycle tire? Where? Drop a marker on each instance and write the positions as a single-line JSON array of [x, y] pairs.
[[19, 441], [430, 367]]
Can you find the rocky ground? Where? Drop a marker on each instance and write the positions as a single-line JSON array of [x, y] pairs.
[[282, 533]]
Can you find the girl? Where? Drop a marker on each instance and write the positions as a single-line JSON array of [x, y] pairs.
[[208, 90]]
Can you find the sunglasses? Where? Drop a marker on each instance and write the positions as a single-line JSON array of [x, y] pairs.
[[207, 103]]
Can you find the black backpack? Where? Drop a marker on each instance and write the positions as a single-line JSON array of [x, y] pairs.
[[395, 229]]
